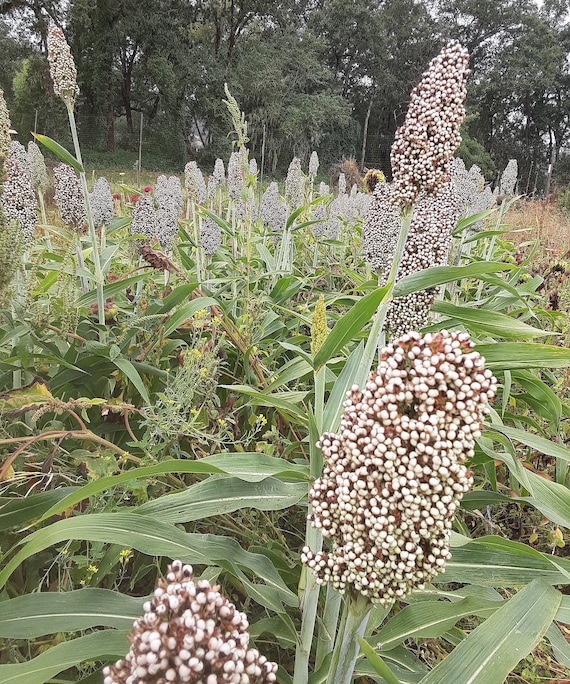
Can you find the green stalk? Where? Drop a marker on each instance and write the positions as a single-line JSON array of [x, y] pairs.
[[491, 247], [308, 587], [377, 338], [328, 626], [357, 610], [196, 234], [90, 224], [44, 220]]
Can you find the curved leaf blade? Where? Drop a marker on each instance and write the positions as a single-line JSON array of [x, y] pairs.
[[492, 650], [68, 654], [59, 151], [34, 615]]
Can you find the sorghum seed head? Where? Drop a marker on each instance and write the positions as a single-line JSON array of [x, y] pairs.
[[61, 65], [395, 472], [429, 136], [189, 633]]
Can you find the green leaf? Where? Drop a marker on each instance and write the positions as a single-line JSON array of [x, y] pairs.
[[95, 646], [18, 511], [496, 562], [438, 275], [431, 619], [220, 495], [185, 312], [540, 444], [250, 467], [349, 325], [284, 402], [59, 151], [126, 367], [34, 615], [377, 663], [560, 647], [132, 530], [492, 650], [487, 321], [347, 377], [112, 289]]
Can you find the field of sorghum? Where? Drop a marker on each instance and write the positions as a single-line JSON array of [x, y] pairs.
[[266, 406]]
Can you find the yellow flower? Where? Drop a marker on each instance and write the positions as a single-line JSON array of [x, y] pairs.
[[125, 555]]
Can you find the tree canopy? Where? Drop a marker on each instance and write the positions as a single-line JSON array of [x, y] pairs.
[[309, 74]]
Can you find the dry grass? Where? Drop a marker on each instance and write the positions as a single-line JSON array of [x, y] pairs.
[[539, 220]]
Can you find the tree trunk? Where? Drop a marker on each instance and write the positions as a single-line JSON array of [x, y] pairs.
[[365, 135], [110, 129]]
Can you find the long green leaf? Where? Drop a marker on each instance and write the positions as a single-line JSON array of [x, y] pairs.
[[113, 289], [488, 321], [517, 355], [250, 467], [431, 619], [438, 275], [284, 402], [349, 325], [59, 151], [377, 663], [540, 444], [18, 511], [496, 562], [41, 669], [34, 615], [132, 530], [186, 311], [126, 367], [492, 650], [220, 495]]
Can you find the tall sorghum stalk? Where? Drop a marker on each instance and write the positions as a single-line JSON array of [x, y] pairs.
[[420, 164], [64, 74]]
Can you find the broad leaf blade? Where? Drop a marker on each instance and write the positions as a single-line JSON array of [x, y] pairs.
[[220, 495], [59, 151], [34, 615], [68, 654], [349, 325], [492, 650]]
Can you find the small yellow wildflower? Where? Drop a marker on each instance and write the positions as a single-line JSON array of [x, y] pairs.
[[125, 555], [93, 569], [261, 419]]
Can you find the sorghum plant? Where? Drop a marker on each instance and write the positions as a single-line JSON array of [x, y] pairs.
[[395, 472], [190, 633], [420, 191], [64, 78]]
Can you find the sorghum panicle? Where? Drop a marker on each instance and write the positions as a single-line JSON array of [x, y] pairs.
[[429, 136], [395, 472], [17, 152], [69, 196], [38, 169], [319, 330], [509, 178], [190, 633], [294, 185], [18, 199], [428, 243], [61, 65], [271, 211], [235, 176], [313, 164], [210, 236], [380, 228], [102, 205], [143, 219], [5, 127], [194, 183]]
